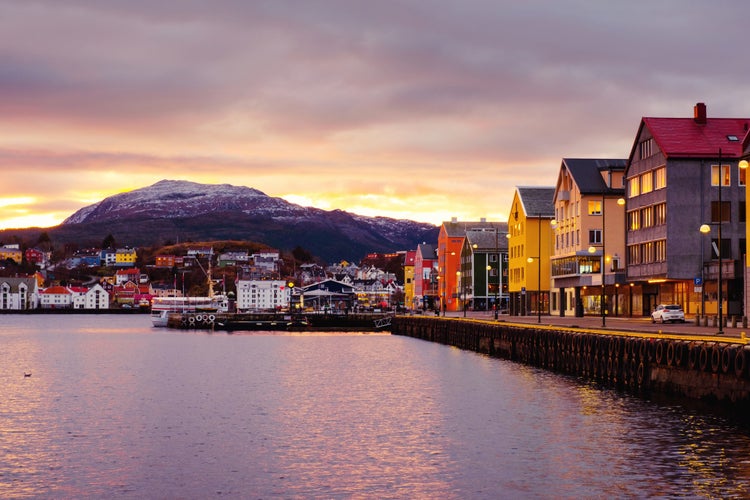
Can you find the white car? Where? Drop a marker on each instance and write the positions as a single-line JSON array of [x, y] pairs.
[[668, 312]]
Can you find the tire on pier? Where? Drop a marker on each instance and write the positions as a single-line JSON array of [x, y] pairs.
[[741, 362], [728, 354], [694, 351], [680, 353], [703, 358], [670, 353], [660, 355], [715, 358]]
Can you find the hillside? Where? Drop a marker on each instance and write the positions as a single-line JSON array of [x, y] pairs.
[[181, 211]]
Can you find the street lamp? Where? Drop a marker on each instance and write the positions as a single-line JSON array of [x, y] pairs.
[[603, 297], [705, 229], [459, 276]]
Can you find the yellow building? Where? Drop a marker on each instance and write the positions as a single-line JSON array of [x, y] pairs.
[[125, 257], [12, 252], [529, 250], [409, 278]]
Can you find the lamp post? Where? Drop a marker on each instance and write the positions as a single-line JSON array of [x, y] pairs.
[[459, 276], [603, 297], [705, 229]]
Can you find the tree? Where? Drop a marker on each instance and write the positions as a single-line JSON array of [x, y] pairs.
[[109, 242]]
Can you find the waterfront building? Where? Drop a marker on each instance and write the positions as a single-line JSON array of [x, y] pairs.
[[56, 297], [262, 295], [590, 221], [327, 295], [19, 293], [450, 242], [409, 278], [530, 247], [426, 289], [483, 280], [94, 297], [683, 173]]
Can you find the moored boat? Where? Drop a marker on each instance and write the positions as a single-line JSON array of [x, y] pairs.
[[162, 307]]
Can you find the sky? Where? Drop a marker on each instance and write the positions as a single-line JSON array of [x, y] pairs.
[[412, 109]]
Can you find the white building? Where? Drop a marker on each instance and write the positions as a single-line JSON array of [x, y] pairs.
[[253, 295], [95, 297], [56, 297], [19, 293]]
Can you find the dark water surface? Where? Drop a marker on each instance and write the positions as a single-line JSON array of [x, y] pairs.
[[115, 408]]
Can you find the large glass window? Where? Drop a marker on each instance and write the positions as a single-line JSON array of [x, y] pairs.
[[595, 236], [660, 214], [634, 220]]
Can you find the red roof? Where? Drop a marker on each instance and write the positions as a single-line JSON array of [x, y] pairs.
[[56, 290], [686, 138]]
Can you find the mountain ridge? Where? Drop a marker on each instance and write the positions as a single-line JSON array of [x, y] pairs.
[[183, 210]]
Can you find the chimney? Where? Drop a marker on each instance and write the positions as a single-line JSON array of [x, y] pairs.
[[483, 220], [454, 220], [699, 113]]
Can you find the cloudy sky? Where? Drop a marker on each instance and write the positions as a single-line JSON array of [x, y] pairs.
[[404, 108]]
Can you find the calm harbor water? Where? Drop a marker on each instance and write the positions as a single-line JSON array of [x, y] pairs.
[[115, 408]]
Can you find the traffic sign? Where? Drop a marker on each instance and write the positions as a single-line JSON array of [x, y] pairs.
[[697, 281]]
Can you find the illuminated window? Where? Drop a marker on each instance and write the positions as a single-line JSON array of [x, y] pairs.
[[595, 207], [647, 182], [741, 176], [634, 187], [634, 220], [716, 175], [660, 214], [660, 178]]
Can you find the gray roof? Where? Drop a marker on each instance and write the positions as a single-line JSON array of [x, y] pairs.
[[426, 250], [586, 173], [14, 283], [487, 240], [459, 228], [537, 201]]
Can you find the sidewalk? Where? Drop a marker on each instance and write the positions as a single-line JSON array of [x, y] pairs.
[[613, 324]]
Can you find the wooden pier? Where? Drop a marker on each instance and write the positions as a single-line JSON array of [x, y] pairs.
[[698, 367]]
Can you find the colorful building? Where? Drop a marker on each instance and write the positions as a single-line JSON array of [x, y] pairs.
[[530, 246], [409, 278], [682, 174], [587, 270]]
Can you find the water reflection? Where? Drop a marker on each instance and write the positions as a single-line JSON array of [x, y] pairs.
[[126, 410]]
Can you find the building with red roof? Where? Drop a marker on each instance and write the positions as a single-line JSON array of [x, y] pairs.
[[683, 173]]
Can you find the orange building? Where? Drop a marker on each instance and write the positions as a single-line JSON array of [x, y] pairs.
[[450, 242]]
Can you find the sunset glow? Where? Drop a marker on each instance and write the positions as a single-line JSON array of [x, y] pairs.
[[424, 112]]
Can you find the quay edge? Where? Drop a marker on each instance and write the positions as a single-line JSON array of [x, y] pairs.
[[699, 368]]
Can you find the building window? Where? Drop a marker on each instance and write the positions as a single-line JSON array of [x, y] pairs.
[[634, 187], [716, 174], [741, 176], [647, 218], [647, 252], [660, 214], [726, 248], [595, 207], [725, 211], [647, 148], [595, 236], [660, 249], [743, 213], [634, 220], [660, 178], [634, 254], [647, 182]]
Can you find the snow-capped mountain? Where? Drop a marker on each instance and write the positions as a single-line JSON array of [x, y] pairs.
[[182, 210]]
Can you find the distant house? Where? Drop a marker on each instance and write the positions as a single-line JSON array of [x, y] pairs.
[[12, 252], [19, 293], [122, 276], [56, 297], [409, 278], [95, 297], [125, 257], [325, 295], [426, 290], [108, 257], [38, 257]]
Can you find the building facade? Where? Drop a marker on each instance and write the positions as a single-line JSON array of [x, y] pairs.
[[262, 295], [587, 266], [529, 250], [683, 173]]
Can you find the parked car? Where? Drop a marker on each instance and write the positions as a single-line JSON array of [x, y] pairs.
[[668, 312]]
